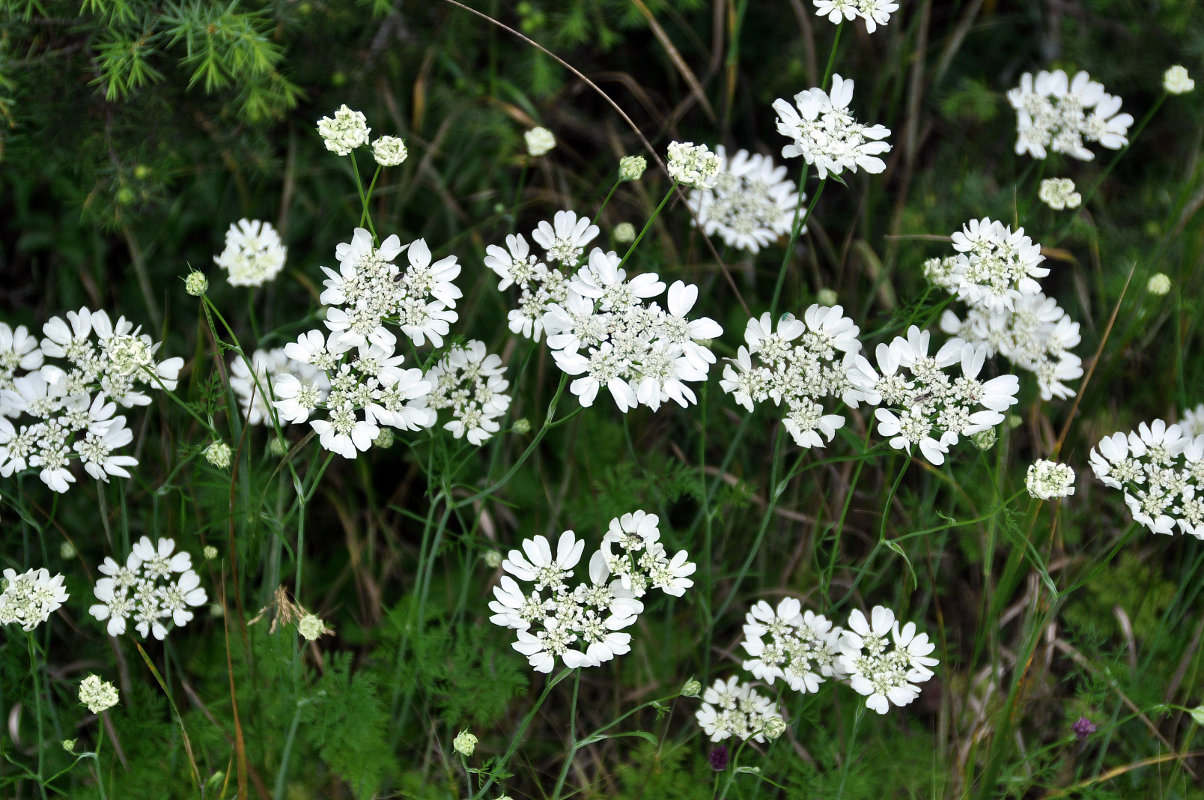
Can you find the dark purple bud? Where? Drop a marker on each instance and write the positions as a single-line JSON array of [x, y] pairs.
[[1083, 728], [719, 758]]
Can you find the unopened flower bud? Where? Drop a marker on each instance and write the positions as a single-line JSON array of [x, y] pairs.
[[691, 688], [67, 550], [384, 439], [277, 446], [1159, 284], [522, 426], [311, 627], [493, 559], [1197, 715], [826, 297], [218, 454], [209, 552], [775, 726], [539, 141], [69, 745], [624, 233], [196, 284], [631, 168], [985, 440], [464, 743]]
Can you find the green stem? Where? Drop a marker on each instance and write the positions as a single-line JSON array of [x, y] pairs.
[[365, 217], [573, 743], [648, 224], [1108, 169], [605, 200], [848, 751], [521, 731], [37, 705], [795, 231]]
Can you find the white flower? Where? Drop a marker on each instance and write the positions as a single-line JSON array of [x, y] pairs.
[[254, 254], [389, 151], [885, 676], [257, 394], [1047, 480], [787, 643], [1054, 112], [874, 12], [751, 204], [995, 266], [800, 364], [693, 165], [18, 351], [730, 708], [1059, 193], [1176, 80], [1160, 472], [97, 695], [539, 141], [468, 381], [154, 587], [566, 237], [30, 598], [1035, 336], [826, 135], [925, 406], [344, 132]]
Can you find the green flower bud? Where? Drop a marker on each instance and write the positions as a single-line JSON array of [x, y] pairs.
[[631, 168], [464, 743]]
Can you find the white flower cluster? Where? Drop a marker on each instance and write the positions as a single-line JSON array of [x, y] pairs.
[[583, 625], [369, 290], [924, 405], [359, 387], [154, 587], [358, 378], [804, 649], [994, 266], [30, 598], [874, 12], [1059, 193], [799, 365], [254, 253], [751, 204], [1054, 112], [469, 382], [255, 394], [348, 129], [66, 411], [731, 708], [598, 322], [693, 165], [995, 273], [1048, 479], [1161, 473], [799, 647], [825, 133], [881, 674]]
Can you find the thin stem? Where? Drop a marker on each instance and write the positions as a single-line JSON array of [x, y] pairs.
[[795, 230], [37, 705], [648, 224], [521, 731], [573, 743], [848, 751]]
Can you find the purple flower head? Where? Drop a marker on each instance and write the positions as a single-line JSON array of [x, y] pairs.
[[719, 758], [1083, 728]]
